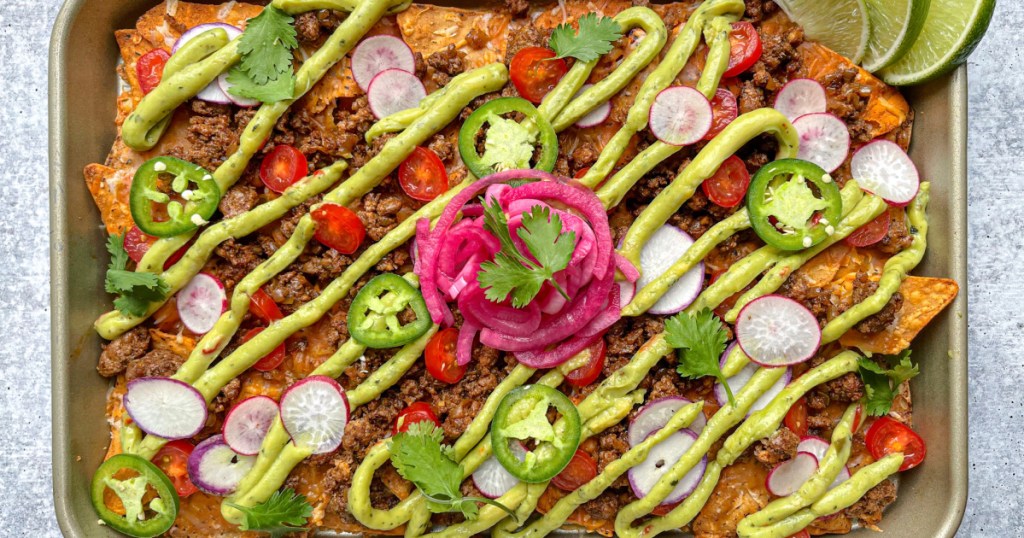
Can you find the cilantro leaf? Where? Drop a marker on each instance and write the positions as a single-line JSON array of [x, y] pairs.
[[594, 38], [420, 457], [136, 290], [284, 512], [543, 235], [700, 339], [882, 383], [507, 276], [280, 89], [266, 45]]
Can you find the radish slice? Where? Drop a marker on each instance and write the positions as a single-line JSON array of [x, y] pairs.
[[777, 331], [787, 477], [824, 140], [165, 407], [377, 54], [248, 423], [213, 92], [201, 302], [741, 379], [653, 417], [664, 248], [883, 168], [216, 469], [817, 447], [627, 290], [800, 97], [225, 86], [660, 459], [394, 90], [680, 116], [492, 479], [314, 412], [596, 116]]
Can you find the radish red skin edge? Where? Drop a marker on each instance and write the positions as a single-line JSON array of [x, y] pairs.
[[680, 116], [882, 168], [165, 407], [298, 407], [217, 477], [379, 53], [773, 318], [248, 422]]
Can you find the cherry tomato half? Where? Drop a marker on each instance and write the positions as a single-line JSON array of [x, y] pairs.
[[440, 356], [263, 306], [172, 459], [870, 233], [588, 373], [796, 418], [887, 436], [858, 418], [724, 110], [534, 72], [271, 360], [746, 48], [338, 227], [137, 244], [664, 509], [282, 167], [581, 469], [728, 186], [150, 68], [417, 412], [422, 175], [582, 172]]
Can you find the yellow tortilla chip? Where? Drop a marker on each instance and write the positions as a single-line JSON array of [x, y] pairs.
[[579, 517], [923, 299], [175, 343], [429, 28], [109, 188], [566, 12], [164, 24]]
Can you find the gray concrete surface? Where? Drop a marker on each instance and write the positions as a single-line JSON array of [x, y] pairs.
[[996, 141]]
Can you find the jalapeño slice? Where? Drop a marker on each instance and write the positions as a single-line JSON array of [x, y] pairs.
[[373, 317], [507, 144], [522, 416], [793, 204], [141, 490], [170, 197]]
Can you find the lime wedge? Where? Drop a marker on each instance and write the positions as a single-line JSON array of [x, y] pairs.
[[841, 25], [895, 25], [951, 31]]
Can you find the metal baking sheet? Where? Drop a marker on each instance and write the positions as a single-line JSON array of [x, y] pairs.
[[83, 55]]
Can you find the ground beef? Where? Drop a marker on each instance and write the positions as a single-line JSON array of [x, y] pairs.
[[325, 264], [817, 300], [476, 39], [757, 10], [898, 238], [379, 212], [238, 200], [156, 363], [290, 290], [518, 8], [445, 64], [607, 506], [527, 36], [780, 447], [845, 389], [239, 254], [848, 99], [212, 134], [779, 60], [751, 97], [227, 396], [878, 322], [869, 508], [121, 351], [311, 26], [625, 337]]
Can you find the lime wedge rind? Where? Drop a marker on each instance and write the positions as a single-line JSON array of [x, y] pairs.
[[841, 25], [895, 26]]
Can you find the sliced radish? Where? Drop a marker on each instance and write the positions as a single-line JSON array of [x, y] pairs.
[[201, 302], [741, 379], [824, 140], [666, 245], [596, 116], [817, 447], [777, 331], [213, 92], [787, 477], [394, 90], [800, 97], [377, 54], [680, 116], [653, 417], [216, 469], [225, 86], [627, 290], [165, 407], [492, 479], [314, 412], [660, 459], [248, 423], [883, 168]]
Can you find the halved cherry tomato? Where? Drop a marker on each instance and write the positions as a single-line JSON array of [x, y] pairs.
[[887, 436], [271, 360], [440, 356], [282, 167], [796, 418], [263, 306], [172, 459], [858, 418], [338, 227], [746, 48], [588, 373], [581, 469], [416, 412], [724, 110], [801, 534], [150, 68], [137, 244], [728, 186], [534, 72], [422, 175], [582, 172], [870, 233]]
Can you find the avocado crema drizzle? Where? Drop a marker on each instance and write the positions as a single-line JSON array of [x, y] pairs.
[[203, 59]]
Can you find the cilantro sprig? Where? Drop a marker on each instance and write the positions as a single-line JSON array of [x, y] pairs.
[[284, 512], [882, 382], [594, 38], [700, 339], [265, 71], [135, 291], [511, 272], [420, 457]]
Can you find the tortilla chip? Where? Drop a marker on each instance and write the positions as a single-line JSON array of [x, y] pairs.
[[822, 269], [162, 25], [115, 412], [740, 492], [109, 188], [923, 299], [429, 28], [565, 12], [178, 344], [579, 517]]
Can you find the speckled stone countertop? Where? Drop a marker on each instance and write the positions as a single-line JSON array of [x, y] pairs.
[[996, 143]]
